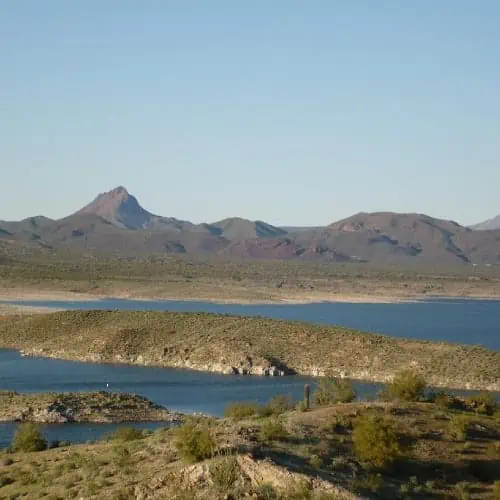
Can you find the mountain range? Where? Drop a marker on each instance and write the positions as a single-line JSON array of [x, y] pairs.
[[115, 222]]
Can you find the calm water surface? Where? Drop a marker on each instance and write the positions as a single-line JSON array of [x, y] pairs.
[[181, 390], [460, 321], [463, 321]]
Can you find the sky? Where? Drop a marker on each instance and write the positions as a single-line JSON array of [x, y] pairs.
[[290, 111]]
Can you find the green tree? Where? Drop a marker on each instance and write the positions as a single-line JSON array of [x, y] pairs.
[[406, 385], [375, 442], [334, 390], [28, 438]]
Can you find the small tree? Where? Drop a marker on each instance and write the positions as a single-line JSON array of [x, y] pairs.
[[375, 442], [194, 442], [28, 438], [334, 390], [406, 385]]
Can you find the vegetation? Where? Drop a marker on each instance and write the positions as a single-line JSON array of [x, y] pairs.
[[28, 437], [238, 411], [194, 442], [334, 390], [224, 343], [126, 434], [273, 430], [484, 403], [459, 427], [97, 407], [375, 441], [168, 275], [324, 453], [406, 385]]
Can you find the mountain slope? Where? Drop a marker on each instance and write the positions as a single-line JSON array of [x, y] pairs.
[[116, 222], [123, 210], [392, 237], [489, 224], [236, 228]]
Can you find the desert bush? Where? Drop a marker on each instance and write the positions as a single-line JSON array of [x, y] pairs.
[[301, 406], [28, 437], [194, 442], [462, 491], [280, 404], [273, 430], [375, 441], [224, 473], [371, 482], [496, 490], [315, 461], [238, 411], [266, 491], [483, 403], [338, 424], [406, 385], [442, 399], [333, 390], [126, 434], [459, 427]]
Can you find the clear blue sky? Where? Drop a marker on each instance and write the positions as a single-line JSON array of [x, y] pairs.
[[295, 112]]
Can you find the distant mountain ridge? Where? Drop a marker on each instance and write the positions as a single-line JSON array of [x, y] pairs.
[[490, 224], [115, 222]]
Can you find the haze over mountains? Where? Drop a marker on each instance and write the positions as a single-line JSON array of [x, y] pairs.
[[116, 222]]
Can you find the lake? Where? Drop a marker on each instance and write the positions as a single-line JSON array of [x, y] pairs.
[[186, 391], [462, 321]]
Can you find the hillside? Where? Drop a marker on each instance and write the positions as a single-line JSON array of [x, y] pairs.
[[236, 228], [388, 237], [115, 222], [432, 451], [490, 224], [232, 344]]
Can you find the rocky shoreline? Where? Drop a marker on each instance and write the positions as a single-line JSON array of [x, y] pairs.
[[82, 407]]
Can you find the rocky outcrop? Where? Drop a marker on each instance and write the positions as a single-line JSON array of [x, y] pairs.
[[96, 407]]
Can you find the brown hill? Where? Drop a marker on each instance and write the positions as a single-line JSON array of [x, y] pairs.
[[236, 228], [490, 224], [116, 222], [122, 209], [388, 236]]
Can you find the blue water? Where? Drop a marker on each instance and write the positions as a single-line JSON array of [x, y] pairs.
[[462, 321], [186, 391], [459, 321]]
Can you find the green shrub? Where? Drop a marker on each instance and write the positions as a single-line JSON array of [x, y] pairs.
[[273, 430], [280, 404], [406, 385], [338, 424], [496, 490], [28, 437], [442, 400], [315, 461], [194, 442], [238, 411], [375, 441], [126, 434], [484, 403], [459, 427], [371, 482], [301, 406], [462, 491], [333, 390], [224, 473], [266, 491]]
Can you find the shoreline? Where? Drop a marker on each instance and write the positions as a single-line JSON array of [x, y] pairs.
[[9, 299], [214, 369]]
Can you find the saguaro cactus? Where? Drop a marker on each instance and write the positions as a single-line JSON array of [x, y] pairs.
[[307, 391]]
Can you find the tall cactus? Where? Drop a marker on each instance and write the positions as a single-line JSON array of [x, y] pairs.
[[307, 391]]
